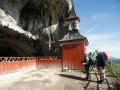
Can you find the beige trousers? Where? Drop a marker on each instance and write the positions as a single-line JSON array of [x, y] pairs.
[[101, 71]]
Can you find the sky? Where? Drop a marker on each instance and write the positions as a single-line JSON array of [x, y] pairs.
[[100, 23]]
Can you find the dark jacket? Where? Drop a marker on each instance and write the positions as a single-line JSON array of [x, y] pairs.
[[100, 60], [86, 61]]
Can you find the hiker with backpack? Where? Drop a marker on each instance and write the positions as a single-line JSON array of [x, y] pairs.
[[101, 65], [86, 65], [91, 61], [94, 59]]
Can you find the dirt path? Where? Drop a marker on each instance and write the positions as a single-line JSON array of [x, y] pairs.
[[47, 79]]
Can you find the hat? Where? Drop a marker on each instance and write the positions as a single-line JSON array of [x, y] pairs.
[[97, 51]]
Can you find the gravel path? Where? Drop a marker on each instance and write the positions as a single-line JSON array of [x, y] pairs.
[[47, 79]]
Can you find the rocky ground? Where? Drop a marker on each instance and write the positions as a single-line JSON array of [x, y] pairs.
[[49, 79]]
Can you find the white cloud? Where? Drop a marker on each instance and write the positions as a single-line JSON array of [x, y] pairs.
[[100, 16], [105, 42], [88, 31]]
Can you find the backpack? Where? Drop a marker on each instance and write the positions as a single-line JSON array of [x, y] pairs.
[[106, 56], [90, 61]]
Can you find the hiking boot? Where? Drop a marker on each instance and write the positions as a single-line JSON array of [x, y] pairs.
[[87, 78], [101, 81]]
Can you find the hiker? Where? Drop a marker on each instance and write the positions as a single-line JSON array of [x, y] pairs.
[[101, 65], [91, 55], [94, 59], [86, 65], [91, 61]]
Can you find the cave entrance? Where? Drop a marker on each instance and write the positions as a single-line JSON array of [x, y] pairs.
[[7, 51]]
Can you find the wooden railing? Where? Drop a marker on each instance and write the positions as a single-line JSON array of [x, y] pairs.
[[11, 59], [16, 64], [114, 69]]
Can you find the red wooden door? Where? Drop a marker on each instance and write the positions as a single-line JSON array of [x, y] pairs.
[[72, 56]]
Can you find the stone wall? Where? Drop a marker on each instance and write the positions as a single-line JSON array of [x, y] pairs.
[[25, 26]]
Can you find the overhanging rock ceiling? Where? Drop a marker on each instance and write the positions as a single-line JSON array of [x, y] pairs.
[[25, 26]]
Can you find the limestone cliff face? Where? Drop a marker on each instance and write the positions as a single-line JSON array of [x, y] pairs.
[[25, 26]]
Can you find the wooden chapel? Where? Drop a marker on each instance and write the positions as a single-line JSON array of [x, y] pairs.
[[73, 45]]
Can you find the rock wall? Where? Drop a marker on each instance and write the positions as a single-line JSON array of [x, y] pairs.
[[25, 26]]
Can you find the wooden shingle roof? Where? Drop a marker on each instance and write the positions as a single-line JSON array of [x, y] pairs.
[[75, 36]]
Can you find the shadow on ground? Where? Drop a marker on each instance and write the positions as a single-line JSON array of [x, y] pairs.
[[71, 76]]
